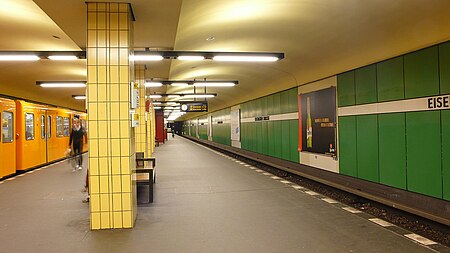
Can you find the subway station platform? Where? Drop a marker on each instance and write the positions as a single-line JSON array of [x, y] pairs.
[[204, 202]]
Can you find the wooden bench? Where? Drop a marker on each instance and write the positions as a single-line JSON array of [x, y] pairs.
[[146, 175]]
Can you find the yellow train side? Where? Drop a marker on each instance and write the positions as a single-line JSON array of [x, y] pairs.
[[8, 140]]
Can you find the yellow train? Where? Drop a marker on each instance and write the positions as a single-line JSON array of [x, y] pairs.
[[33, 135]]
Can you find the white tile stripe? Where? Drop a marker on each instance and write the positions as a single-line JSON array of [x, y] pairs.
[[259, 170], [407, 105], [330, 201], [252, 168], [285, 182], [351, 209], [285, 116], [275, 177], [420, 239], [297, 187], [267, 174], [246, 165], [312, 193], [11, 178], [381, 222]]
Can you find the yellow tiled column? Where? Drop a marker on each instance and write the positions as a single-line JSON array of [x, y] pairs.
[[111, 138], [141, 147], [151, 129]]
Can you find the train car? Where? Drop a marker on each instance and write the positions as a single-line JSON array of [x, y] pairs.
[[7, 141], [58, 137], [31, 148]]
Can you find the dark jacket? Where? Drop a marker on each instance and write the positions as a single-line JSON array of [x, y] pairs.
[[77, 137]]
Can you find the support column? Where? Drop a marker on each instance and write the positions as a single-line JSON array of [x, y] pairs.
[[111, 138], [141, 146]]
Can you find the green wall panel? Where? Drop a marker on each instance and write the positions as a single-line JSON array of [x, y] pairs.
[[445, 118], [258, 111], [271, 138], [293, 128], [285, 140], [293, 102], [284, 101], [347, 146], [276, 103], [264, 106], [253, 144], [392, 148], [270, 105], [346, 88], [366, 84], [367, 147], [423, 140], [421, 73], [264, 138], [278, 135], [258, 137], [391, 85], [444, 67]]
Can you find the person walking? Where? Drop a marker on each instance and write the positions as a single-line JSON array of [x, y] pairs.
[[76, 141]]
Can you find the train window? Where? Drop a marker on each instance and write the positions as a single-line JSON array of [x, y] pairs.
[[66, 127], [29, 126], [7, 127], [84, 125], [59, 126], [42, 126], [49, 127]]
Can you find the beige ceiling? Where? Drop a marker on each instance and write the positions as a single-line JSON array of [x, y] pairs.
[[319, 39]]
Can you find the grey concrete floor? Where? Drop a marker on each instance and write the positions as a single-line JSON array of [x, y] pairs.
[[203, 202]]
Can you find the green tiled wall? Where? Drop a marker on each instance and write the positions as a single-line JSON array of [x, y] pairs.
[[444, 67], [391, 85], [221, 133], [367, 147], [392, 148], [366, 85], [347, 146], [203, 129], [273, 138], [423, 152], [445, 118], [409, 150], [422, 73], [346, 88]]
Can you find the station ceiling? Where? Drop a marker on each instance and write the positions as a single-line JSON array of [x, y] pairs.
[[319, 39]]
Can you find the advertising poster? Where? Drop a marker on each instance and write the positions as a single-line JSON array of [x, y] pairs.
[[318, 121], [235, 125]]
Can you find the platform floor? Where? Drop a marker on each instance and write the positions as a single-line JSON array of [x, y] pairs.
[[204, 202]]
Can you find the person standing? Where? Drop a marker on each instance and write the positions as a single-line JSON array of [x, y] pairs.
[[76, 141]]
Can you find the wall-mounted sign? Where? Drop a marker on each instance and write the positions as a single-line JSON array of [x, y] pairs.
[[194, 106], [262, 118], [134, 87], [235, 125], [318, 121]]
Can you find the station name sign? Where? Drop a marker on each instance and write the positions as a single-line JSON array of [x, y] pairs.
[[439, 102], [194, 106]]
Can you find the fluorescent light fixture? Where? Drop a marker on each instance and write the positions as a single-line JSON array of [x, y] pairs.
[[172, 103], [63, 57], [146, 58], [155, 96], [214, 84], [157, 103], [79, 97], [62, 84], [190, 58], [153, 84], [19, 57], [173, 96], [245, 58], [179, 84], [199, 96], [157, 107]]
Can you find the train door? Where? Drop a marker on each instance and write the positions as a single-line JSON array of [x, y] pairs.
[[42, 137], [7, 140], [48, 133]]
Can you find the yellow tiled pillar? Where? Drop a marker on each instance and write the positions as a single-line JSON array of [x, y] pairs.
[[141, 147], [111, 137], [151, 129]]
